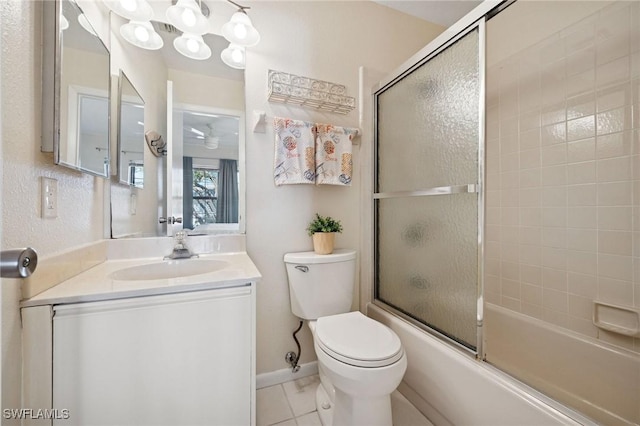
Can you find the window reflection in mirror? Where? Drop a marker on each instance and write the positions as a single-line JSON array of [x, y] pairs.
[[210, 177], [130, 134], [84, 95]]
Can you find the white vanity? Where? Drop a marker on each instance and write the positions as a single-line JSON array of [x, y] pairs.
[[110, 346]]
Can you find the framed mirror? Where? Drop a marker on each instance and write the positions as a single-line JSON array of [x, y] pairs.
[[131, 141], [76, 87]]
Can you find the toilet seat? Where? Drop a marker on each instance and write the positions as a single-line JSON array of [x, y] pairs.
[[357, 340]]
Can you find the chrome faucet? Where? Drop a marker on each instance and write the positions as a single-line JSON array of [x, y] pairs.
[[180, 249]]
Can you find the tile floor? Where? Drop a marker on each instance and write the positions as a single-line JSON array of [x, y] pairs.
[[293, 404]]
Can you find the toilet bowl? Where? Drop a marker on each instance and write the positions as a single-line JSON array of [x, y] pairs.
[[360, 360]]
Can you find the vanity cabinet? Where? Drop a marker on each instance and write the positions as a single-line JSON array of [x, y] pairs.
[[173, 359]]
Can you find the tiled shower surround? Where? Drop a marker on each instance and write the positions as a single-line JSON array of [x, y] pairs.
[[563, 174]]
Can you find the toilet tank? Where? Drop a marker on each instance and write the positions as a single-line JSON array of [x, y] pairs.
[[320, 284]]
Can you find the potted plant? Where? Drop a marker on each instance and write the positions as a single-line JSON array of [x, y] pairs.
[[322, 229]]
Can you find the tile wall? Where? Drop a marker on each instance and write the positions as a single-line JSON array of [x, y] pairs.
[[563, 174]]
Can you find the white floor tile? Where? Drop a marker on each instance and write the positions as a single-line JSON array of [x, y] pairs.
[[272, 406], [278, 405], [310, 419], [301, 394]]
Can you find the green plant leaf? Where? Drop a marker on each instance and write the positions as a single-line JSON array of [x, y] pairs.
[[323, 224]]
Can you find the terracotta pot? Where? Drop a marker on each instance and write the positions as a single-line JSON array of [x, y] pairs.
[[323, 242]]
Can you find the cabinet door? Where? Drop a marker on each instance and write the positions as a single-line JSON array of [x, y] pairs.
[[182, 359]]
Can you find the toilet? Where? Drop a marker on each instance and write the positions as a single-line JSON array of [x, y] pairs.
[[360, 360]]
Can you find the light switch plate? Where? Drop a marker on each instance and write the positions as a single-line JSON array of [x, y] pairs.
[[49, 193]]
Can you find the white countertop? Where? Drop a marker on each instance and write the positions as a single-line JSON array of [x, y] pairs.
[[96, 284]]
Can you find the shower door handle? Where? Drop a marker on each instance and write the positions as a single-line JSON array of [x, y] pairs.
[[440, 190]]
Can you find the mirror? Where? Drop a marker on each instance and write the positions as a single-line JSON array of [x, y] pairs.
[[130, 134], [80, 82], [199, 90], [210, 179]]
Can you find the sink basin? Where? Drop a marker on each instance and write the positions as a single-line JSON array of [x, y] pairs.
[[168, 269]]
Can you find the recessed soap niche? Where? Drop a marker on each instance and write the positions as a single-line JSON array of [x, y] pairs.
[[617, 319]]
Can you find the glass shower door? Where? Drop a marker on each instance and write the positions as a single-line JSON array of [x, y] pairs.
[[427, 190]]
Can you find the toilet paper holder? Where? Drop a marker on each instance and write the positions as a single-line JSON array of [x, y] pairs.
[[18, 263]]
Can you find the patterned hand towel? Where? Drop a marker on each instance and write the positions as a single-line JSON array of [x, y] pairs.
[[294, 151], [334, 164]]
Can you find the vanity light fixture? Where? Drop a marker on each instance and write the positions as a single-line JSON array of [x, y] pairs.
[[239, 30], [192, 46], [234, 56], [133, 10], [187, 16], [141, 34], [190, 17], [64, 23]]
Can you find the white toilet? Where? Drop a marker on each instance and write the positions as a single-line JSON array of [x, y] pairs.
[[361, 361]]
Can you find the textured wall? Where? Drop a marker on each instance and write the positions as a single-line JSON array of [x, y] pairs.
[[328, 41], [80, 197]]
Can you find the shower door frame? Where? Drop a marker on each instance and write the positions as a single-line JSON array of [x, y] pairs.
[[476, 19]]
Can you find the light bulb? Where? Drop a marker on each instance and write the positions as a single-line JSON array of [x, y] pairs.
[[141, 34], [236, 56], [129, 5], [189, 18], [240, 31], [193, 45], [64, 23]]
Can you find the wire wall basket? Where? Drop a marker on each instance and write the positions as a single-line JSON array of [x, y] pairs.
[[308, 92]]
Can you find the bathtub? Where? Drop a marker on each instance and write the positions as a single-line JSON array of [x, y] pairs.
[[450, 387]]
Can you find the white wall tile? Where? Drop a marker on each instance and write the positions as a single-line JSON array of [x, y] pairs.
[[582, 150], [582, 262], [582, 195], [615, 218], [582, 239], [582, 285], [555, 300], [581, 307], [582, 217], [616, 267], [530, 235], [584, 172], [554, 196], [619, 292], [614, 97], [615, 194], [615, 169], [614, 145], [555, 279], [615, 242], [554, 175], [613, 72], [554, 133], [575, 201], [581, 128], [554, 217]]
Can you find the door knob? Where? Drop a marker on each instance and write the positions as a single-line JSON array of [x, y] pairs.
[[170, 220]]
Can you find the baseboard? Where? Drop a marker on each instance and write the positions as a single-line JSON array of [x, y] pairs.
[[285, 375]]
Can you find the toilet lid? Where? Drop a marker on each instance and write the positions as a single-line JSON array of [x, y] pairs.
[[358, 340]]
